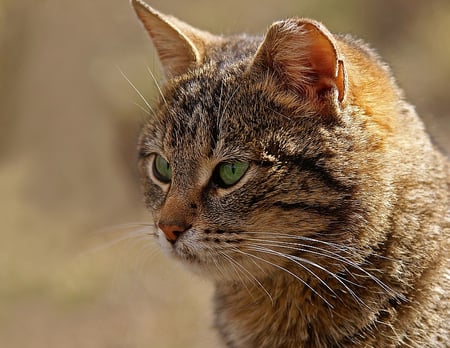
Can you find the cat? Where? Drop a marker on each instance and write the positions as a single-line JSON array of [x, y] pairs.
[[290, 171]]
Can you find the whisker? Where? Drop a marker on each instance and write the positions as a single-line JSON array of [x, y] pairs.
[[216, 264], [299, 244], [116, 241], [124, 226], [340, 247], [138, 230], [249, 275], [341, 259], [220, 97], [228, 101], [297, 261], [141, 107], [287, 271], [157, 85], [140, 252], [239, 273], [309, 239], [219, 115], [279, 113], [137, 91], [339, 279]]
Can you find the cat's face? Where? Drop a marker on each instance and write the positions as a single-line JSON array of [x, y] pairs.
[[229, 177], [252, 161]]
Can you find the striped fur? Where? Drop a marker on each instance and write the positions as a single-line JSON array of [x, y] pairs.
[[337, 235]]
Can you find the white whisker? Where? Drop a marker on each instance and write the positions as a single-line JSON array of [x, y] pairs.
[[124, 226], [141, 107], [334, 256], [219, 115], [238, 273], [309, 239], [249, 275], [287, 271], [295, 260], [157, 85], [228, 101], [138, 231], [137, 91]]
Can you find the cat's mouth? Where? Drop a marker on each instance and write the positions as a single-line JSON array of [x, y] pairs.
[[201, 253], [184, 249]]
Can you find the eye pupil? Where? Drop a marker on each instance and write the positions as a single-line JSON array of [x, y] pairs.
[[229, 173]]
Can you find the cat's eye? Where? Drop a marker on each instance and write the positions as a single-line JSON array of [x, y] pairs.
[[229, 173], [161, 169]]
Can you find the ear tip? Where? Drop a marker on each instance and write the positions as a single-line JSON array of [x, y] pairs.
[[140, 5], [296, 23], [136, 3], [144, 11]]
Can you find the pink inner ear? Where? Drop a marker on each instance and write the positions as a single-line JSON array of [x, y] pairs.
[[303, 53], [323, 59], [175, 53], [178, 44]]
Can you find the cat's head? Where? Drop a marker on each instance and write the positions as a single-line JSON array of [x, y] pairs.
[[253, 157]]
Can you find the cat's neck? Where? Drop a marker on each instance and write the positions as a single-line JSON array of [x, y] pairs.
[[284, 311], [248, 306]]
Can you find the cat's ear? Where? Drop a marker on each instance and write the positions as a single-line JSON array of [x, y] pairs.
[[303, 54], [179, 46]]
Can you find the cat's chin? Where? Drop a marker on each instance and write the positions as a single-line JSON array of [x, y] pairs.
[[212, 272]]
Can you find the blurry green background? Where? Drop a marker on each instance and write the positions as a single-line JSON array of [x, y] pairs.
[[68, 127]]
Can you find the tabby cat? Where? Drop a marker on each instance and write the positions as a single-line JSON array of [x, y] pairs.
[[290, 171]]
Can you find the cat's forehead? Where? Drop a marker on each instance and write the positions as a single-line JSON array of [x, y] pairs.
[[202, 113], [222, 114], [209, 86]]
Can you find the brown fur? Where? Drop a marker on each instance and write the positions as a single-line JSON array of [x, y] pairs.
[[337, 235]]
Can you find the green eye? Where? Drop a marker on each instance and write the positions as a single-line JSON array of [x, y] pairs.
[[161, 169], [229, 173]]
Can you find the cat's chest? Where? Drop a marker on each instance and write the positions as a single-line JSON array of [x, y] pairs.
[[262, 317], [288, 314]]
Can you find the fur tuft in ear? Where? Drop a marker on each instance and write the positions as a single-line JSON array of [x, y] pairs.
[[179, 46], [303, 54]]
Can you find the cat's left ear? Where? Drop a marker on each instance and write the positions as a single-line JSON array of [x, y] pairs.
[[179, 45], [304, 56]]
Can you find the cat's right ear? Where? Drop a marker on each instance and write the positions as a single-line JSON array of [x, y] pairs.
[[179, 45], [303, 55]]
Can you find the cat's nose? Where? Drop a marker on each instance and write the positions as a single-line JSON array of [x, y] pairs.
[[174, 231]]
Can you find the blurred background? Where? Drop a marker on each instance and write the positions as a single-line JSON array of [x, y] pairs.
[[71, 274]]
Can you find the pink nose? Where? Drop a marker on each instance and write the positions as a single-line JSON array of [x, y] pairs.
[[172, 232]]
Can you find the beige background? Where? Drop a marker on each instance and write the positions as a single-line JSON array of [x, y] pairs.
[[68, 124]]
